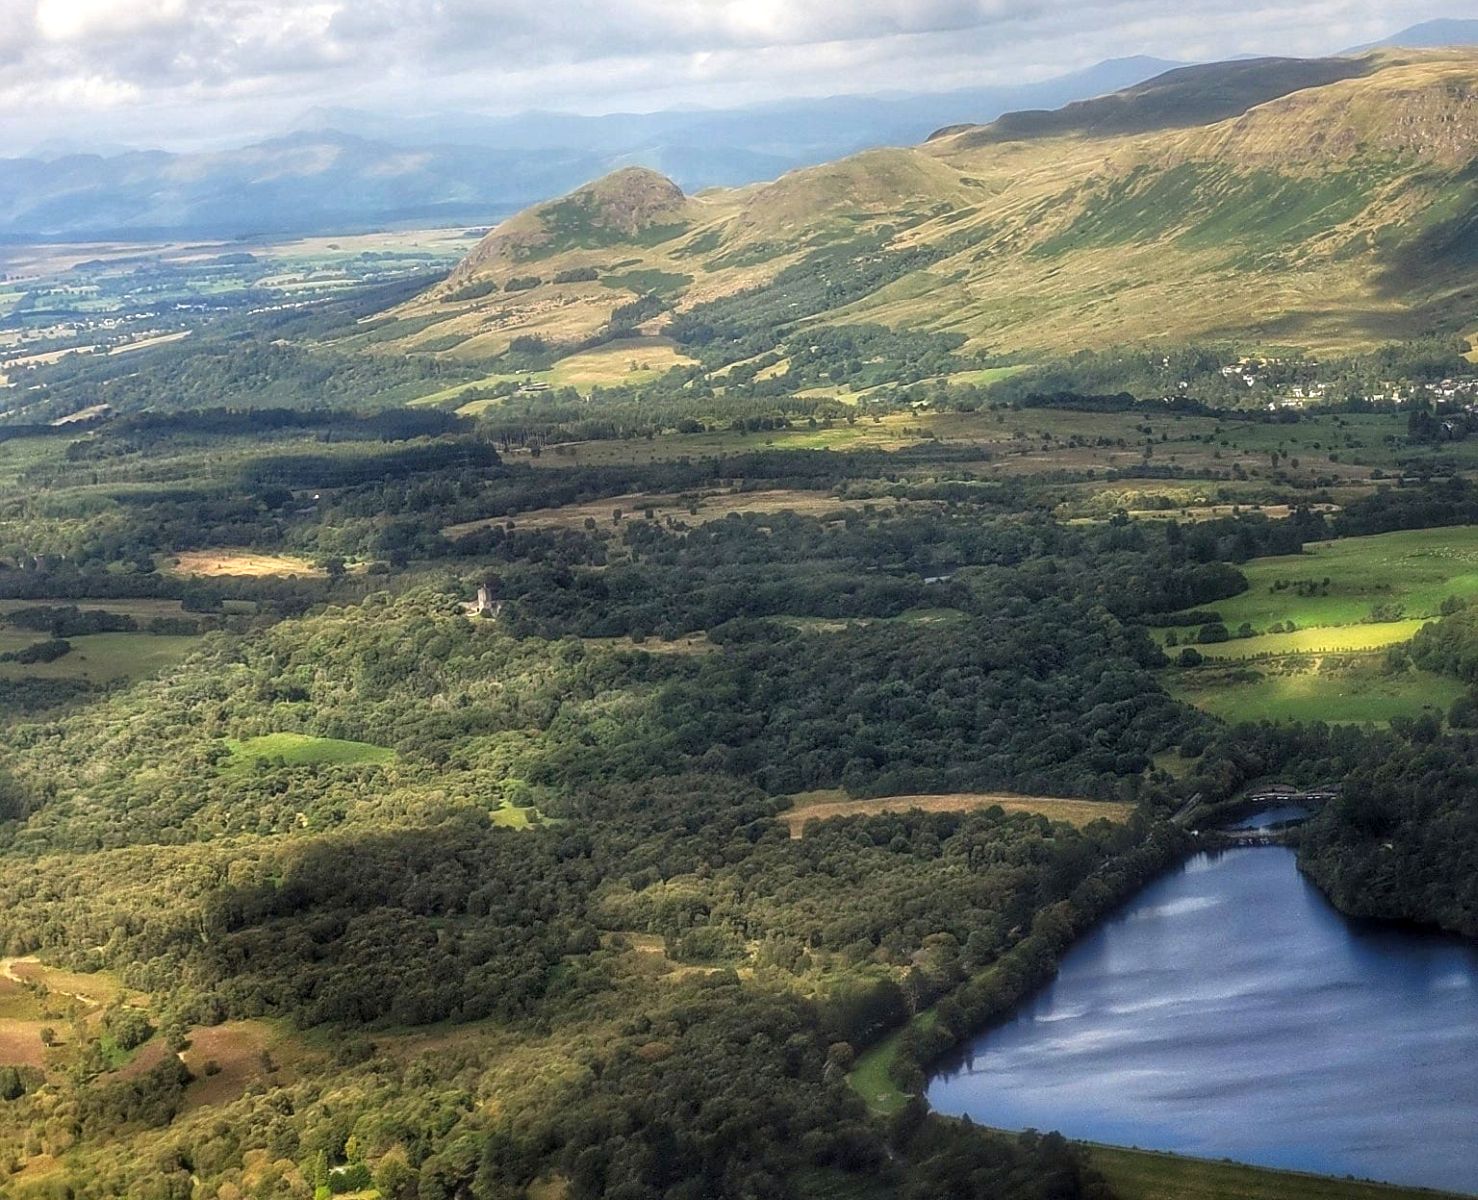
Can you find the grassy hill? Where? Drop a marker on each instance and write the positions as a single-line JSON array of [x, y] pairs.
[[1326, 204]]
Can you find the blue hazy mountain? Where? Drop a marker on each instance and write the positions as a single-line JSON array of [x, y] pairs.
[[343, 168]]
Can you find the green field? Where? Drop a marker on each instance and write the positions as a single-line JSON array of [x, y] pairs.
[[1323, 639], [1146, 1175], [1414, 569], [301, 749], [1329, 668], [1349, 691], [101, 657], [872, 1076]]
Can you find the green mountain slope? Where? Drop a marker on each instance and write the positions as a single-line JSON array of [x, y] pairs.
[[1328, 204]]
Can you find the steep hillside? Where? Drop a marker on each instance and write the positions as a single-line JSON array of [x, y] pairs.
[[1330, 204]]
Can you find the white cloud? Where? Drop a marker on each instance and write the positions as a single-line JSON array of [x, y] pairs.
[[171, 71], [75, 20]]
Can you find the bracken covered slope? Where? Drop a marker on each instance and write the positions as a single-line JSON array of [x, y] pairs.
[[1335, 208]]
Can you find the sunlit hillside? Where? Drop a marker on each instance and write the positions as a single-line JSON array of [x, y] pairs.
[[1336, 209]]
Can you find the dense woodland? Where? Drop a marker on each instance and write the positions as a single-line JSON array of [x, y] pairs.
[[530, 913]]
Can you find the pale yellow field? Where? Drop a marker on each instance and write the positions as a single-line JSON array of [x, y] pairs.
[[21, 1044], [241, 562], [822, 805], [98, 988], [629, 361]]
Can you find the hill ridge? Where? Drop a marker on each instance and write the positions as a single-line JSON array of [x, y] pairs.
[[1327, 215]]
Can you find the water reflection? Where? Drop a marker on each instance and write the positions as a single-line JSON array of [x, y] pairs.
[[1229, 1011]]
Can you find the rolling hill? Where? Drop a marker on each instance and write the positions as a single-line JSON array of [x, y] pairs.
[[1330, 204]]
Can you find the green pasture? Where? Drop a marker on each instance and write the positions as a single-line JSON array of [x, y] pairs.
[[985, 376], [1324, 639], [1343, 691], [1414, 569], [872, 1075], [100, 657], [301, 749]]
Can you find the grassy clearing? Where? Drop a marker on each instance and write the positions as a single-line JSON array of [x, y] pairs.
[[832, 802], [693, 643], [509, 816], [24, 1014], [1344, 691], [1147, 1175], [142, 609], [104, 657], [21, 1044], [1171, 761], [872, 1075], [98, 988], [458, 392], [226, 1059], [628, 362], [301, 749], [17, 1003], [984, 376], [1328, 668], [21, 1021], [1415, 569], [240, 562], [914, 616], [695, 509], [892, 432]]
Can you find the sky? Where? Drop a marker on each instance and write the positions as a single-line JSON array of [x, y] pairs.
[[182, 74]]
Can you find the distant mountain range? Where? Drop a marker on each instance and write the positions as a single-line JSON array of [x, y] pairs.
[[1429, 35], [342, 169], [345, 169], [1330, 204]]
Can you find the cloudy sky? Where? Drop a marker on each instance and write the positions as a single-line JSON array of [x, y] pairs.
[[181, 73]]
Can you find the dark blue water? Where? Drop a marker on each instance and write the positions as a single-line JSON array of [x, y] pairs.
[[1230, 1011]]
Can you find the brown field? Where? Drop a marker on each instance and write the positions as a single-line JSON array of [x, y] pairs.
[[237, 1048], [711, 506], [20, 1043], [21, 1014], [145, 1059], [240, 562], [17, 1003], [823, 805]]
